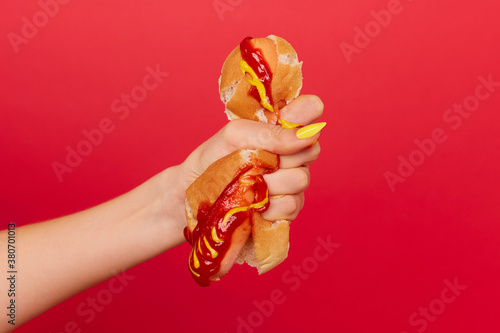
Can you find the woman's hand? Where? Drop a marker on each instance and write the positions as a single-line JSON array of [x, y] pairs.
[[287, 185]]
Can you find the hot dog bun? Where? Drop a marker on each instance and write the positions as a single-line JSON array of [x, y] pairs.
[[259, 77], [285, 85], [268, 244]]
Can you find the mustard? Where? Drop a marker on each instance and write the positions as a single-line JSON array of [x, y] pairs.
[[245, 68], [244, 209], [212, 251], [214, 235], [196, 262]]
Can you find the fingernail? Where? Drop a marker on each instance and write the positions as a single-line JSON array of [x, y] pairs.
[[288, 124], [310, 130]]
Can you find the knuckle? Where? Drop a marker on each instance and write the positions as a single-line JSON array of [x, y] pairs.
[[292, 205], [232, 126], [298, 201], [316, 149], [264, 139], [313, 153], [277, 133], [302, 200], [230, 131], [303, 178], [315, 105], [226, 131]]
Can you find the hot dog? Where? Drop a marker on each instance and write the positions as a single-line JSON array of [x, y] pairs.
[[224, 205], [276, 63]]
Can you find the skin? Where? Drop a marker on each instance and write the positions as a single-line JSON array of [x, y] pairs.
[[149, 220]]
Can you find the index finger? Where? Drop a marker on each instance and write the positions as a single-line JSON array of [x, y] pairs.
[[242, 133]]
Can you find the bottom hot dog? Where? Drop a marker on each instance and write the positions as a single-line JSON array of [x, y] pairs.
[[223, 209]]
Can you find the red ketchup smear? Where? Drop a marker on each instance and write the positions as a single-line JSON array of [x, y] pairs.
[[210, 216], [256, 61]]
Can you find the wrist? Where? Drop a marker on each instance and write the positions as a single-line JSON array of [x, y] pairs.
[[169, 204]]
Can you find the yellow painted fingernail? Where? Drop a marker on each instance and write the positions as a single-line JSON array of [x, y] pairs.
[[288, 124], [310, 130]]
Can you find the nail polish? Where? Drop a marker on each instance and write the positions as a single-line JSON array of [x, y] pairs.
[[309, 130]]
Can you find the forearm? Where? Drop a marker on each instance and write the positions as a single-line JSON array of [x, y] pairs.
[[62, 257]]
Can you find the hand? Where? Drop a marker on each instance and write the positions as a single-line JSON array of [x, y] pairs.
[[287, 185]]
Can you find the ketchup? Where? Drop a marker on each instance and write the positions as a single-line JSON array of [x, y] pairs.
[[203, 264], [211, 238], [255, 60]]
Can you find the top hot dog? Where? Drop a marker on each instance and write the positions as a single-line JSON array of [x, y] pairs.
[[283, 81], [223, 205]]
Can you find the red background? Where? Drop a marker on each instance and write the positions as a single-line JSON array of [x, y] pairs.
[[396, 247]]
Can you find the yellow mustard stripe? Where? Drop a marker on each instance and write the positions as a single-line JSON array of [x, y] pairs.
[[245, 68], [214, 235], [196, 261], [287, 124], [199, 245], [189, 264], [262, 203], [242, 209], [193, 271], [212, 251]]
